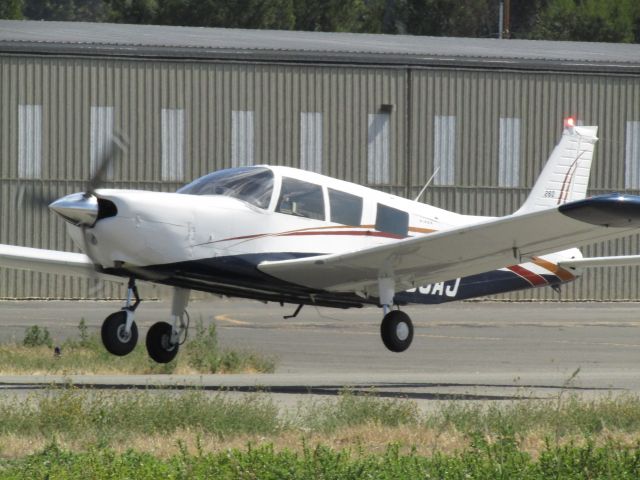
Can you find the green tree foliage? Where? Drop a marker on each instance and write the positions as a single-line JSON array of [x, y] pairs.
[[330, 15], [67, 10], [577, 20], [11, 9], [524, 14], [133, 11], [269, 14], [455, 18], [589, 20]]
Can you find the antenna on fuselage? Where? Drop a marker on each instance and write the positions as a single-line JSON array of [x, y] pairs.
[[427, 184]]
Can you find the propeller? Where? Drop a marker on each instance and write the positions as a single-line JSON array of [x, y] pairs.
[[111, 153], [81, 209]]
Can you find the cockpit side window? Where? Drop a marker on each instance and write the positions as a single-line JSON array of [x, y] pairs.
[[253, 185], [392, 220], [345, 208], [302, 199]]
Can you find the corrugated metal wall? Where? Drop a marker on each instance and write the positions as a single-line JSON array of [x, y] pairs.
[[153, 101]]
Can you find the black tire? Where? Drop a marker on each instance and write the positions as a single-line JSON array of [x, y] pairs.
[[396, 331], [159, 344], [113, 336]]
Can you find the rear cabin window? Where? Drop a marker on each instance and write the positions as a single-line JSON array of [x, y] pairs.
[[392, 220], [345, 208], [302, 199]]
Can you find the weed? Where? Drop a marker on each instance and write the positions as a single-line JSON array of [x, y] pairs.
[[37, 337], [204, 355], [83, 332], [483, 461], [351, 409], [87, 355]]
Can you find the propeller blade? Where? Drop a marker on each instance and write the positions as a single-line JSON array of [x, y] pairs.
[[96, 283], [111, 154], [29, 197]]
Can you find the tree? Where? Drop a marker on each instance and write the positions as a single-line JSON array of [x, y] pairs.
[[269, 14], [133, 11], [330, 15], [272, 14], [524, 14], [454, 18], [11, 9], [589, 21], [66, 10]]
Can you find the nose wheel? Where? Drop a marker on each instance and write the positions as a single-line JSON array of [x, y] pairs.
[[396, 331], [116, 337], [119, 330]]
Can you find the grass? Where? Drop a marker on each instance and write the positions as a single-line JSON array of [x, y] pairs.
[[67, 432], [159, 421], [86, 355], [483, 461]]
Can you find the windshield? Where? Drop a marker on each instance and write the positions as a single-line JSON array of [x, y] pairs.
[[253, 185]]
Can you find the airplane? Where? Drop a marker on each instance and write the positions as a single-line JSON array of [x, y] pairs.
[[280, 234]]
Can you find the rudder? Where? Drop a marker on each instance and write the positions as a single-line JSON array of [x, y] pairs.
[[565, 177]]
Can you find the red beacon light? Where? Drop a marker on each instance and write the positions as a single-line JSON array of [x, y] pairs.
[[569, 122]]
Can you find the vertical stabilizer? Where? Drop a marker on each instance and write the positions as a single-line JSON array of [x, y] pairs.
[[565, 177]]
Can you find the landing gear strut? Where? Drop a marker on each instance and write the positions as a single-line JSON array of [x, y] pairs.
[[164, 339], [119, 330]]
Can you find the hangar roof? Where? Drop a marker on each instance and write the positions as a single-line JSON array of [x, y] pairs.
[[78, 38]]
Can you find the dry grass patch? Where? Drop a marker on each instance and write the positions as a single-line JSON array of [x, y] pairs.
[[360, 440]]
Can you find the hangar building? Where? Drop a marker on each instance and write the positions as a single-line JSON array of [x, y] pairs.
[[385, 111]]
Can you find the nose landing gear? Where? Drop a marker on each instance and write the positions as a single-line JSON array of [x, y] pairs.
[[163, 339], [119, 330], [120, 333]]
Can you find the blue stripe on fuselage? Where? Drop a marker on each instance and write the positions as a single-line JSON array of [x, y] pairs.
[[488, 283]]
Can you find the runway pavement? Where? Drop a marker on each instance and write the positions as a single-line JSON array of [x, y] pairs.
[[470, 351]]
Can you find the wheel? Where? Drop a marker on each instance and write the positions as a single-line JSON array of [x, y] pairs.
[[396, 331], [114, 337], [159, 344]]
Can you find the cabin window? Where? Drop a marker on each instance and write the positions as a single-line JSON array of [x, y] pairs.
[[253, 185], [302, 199], [345, 208], [392, 220]]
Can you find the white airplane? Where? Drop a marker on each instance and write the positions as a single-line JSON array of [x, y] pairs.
[[290, 236]]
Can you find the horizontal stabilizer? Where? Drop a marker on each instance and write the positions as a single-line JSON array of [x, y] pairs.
[[617, 261]]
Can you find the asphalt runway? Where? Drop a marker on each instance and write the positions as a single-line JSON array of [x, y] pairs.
[[469, 351]]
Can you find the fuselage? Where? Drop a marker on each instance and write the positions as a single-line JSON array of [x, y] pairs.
[[212, 234]]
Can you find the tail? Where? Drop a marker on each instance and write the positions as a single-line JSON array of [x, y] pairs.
[[565, 177]]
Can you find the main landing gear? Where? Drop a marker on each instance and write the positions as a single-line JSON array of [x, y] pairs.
[[164, 339], [120, 333], [396, 328]]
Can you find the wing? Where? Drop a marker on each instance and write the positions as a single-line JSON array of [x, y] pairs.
[[50, 261], [465, 250]]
